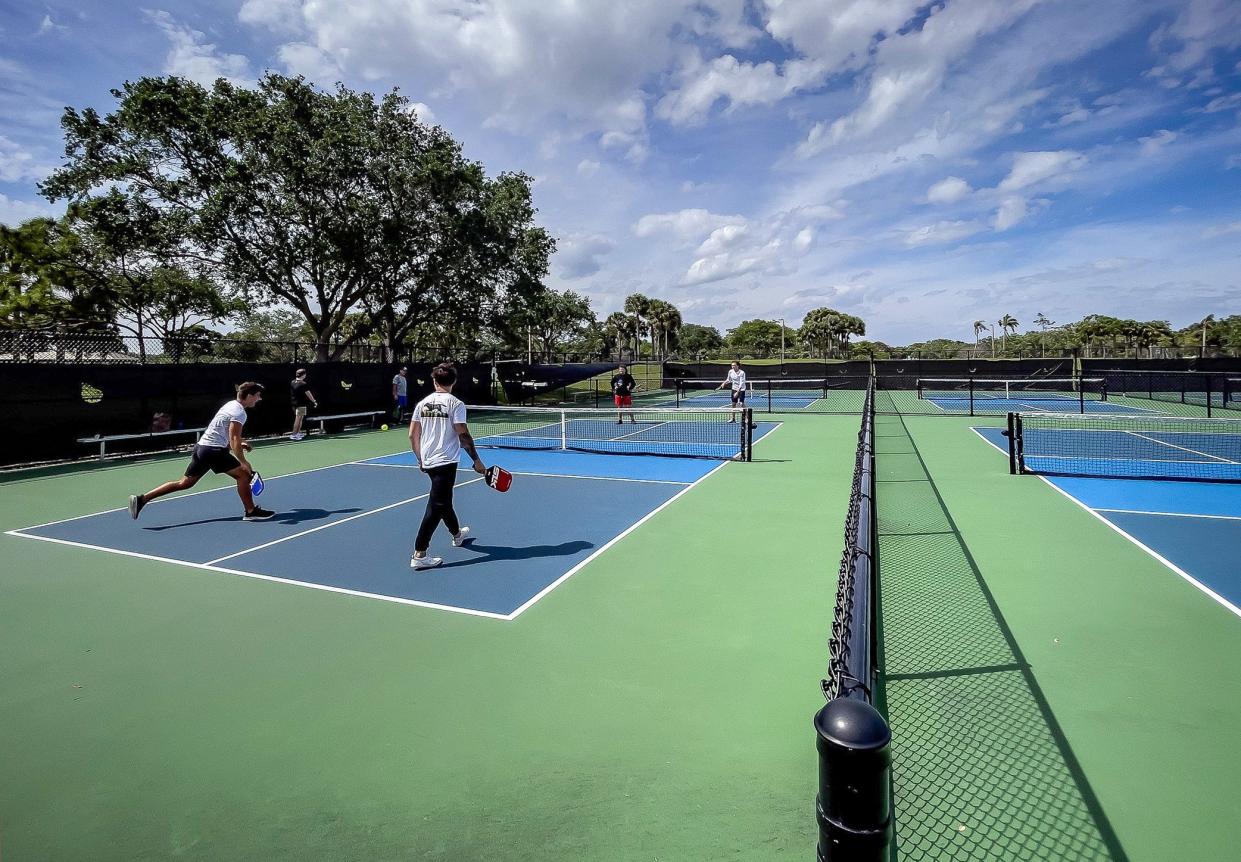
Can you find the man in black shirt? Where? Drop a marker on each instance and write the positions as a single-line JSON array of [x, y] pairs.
[[623, 387], [299, 391]]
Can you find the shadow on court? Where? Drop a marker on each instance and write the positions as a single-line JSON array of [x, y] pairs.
[[981, 768], [291, 517], [488, 553]]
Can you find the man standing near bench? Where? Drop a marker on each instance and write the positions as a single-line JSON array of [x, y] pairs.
[[302, 397], [222, 450], [400, 394]]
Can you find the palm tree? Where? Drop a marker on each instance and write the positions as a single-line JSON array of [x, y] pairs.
[[1206, 323], [1006, 323], [639, 306], [1043, 322], [619, 327], [979, 328]]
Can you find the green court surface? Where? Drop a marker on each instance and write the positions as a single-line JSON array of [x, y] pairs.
[[655, 706], [1053, 691]]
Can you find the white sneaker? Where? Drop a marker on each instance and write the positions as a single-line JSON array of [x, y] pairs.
[[298, 436], [459, 539], [425, 562]]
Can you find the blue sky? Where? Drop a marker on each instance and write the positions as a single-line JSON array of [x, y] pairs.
[[918, 165]]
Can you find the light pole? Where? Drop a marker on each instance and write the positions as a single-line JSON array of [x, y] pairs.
[[781, 341]]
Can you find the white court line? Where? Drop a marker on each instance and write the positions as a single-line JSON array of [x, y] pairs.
[[221, 570], [182, 495], [334, 524], [573, 571], [1174, 446], [1170, 514], [547, 475], [638, 430], [210, 567], [1175, 568], [530, 602]]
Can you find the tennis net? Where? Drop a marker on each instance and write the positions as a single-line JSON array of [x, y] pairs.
[[1039, 389], [1130, 447], [702, 433], [852, 647]]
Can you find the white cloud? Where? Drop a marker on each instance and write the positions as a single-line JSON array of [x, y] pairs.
[[838, 34], [1156, 142], [685, 224], [773, 246], [1012, 211], [1032, 168], [1201, 27], [1233, 161], [911, 67], [578, 255], [191, 56], [47, 25], [14, 212], [587, 168], [423, 112], [283, 17], [943, 232], [1223, 103], [18, 164], [311, 62], [701, 85], [948, 191], [1222, 230], [1077, 115]]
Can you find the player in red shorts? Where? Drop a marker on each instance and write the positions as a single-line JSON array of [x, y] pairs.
[[623, 386]]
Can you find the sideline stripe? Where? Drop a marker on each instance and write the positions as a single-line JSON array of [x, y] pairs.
[[221, 570], [333, 524], [1175, 568], [546, 475]]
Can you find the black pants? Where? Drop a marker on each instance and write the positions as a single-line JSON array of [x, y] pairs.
[[439, 505]]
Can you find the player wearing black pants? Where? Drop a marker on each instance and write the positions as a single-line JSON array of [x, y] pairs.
[[439, 505], [437, 434]]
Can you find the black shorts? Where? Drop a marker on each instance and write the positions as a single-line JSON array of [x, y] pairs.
[[210, 458], [738, 396]]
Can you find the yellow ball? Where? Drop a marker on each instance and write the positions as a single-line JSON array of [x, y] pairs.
[[383, 427]]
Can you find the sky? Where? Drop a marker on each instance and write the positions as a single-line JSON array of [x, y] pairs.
[[918, 165]]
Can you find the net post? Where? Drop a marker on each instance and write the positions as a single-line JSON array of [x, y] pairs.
[[1012, 443], [747, 434], [1209, 392], [1019, 444], [1081, 395], [769, 395], [971, 396], [564, 430], [854, 805]]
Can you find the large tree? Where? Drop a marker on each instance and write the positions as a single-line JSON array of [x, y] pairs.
[[695, 339], [554, 317], [40, 288], [316, 200]]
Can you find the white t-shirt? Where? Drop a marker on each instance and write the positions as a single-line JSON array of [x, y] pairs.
[[437, 413], [737, 379], [401, 384], [216, 434]]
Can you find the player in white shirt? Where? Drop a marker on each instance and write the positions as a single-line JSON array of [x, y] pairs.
[[735, 379], [222, 450], [437, 434]]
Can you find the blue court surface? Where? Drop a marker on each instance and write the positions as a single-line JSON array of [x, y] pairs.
[[349, 528], [1042, 403], [1194, 528]]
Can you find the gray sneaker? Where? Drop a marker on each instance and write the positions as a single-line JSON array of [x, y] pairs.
[[136, 502], [425, 562], [459, 539]]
